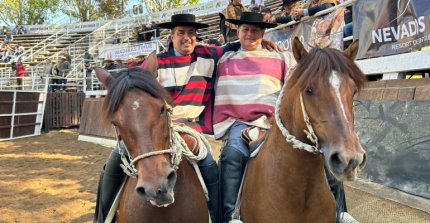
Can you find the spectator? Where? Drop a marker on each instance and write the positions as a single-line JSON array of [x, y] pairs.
[[142, 33], [68, 57], [137, 35], [213, 42], [288, 6], [347, 30], [109, 65], [118, 63], [149, 32], [311, 7], [55, 71], [267, 14], [19, 29], [233, 11], [140, 59], [8, 38], [116, 38], [4, 30], [131, 62], [20, 72], [156, 31], [221, 39], [47, 71], [63, 66], [88, 69], [87, 56]]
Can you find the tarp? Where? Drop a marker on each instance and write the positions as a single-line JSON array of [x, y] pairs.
[[323, 31]]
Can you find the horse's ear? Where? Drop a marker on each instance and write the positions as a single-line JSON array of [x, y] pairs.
[[299, 50], [151, 64], [104, 76], [352, 50]]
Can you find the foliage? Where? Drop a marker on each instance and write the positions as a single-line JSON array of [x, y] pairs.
[[160, 5], [112, 9], [26, 12], [83, 10]]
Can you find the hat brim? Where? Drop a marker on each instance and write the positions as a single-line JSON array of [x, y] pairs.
[[171, 25], [263, 25]]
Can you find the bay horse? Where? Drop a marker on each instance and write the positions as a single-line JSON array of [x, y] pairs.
[[161, 191], [286, 181]]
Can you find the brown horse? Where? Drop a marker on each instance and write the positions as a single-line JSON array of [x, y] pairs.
[[286, 184], [137, 105]]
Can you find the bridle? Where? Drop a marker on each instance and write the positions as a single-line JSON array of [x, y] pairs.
[[129, 167], [177, 146], [310, 133]]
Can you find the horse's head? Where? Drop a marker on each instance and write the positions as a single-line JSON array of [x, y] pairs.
[[328, 80], [137, 106]]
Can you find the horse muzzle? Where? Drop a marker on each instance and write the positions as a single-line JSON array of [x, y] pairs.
[[161, 194], [344, 164]]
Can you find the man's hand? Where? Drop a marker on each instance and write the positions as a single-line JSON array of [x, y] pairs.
[[269, 45]]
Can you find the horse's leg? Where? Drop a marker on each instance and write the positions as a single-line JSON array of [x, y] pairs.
[[110, 181]]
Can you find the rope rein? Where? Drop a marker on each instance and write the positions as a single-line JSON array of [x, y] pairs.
[[310, 134], [177, 147]]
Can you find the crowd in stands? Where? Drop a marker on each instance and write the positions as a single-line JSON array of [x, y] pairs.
[[292, 10], [147, 32]]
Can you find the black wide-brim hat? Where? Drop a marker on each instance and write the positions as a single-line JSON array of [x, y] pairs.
[[183, 20], [251, 18], [284, 2]]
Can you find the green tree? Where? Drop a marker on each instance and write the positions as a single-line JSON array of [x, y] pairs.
[[83, 10], [160, 5], [112, 9], [26, 12]]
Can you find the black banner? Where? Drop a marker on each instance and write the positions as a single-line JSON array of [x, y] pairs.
[[391, 26]]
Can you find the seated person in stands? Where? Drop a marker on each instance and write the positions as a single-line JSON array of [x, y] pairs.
[[8, 38], [19, 29], [118, 63], [312, 7], [267, 14], [288, 6], [347, 30], [4, 30], [109, 65], [233, 11]]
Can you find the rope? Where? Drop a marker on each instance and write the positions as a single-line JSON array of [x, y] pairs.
[[290, 138]]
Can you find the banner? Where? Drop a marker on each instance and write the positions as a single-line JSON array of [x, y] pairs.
[[391, 27], [123, 51], [323, 31]]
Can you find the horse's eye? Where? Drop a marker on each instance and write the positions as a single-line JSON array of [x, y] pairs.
[[163, 109], [114, 123], [309, 91]]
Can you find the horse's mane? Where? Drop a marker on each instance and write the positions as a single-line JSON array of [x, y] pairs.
[[126, 80], [317, 67]]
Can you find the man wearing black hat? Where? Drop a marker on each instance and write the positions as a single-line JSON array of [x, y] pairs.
[[187, 71], [250, 78], [288, 6]]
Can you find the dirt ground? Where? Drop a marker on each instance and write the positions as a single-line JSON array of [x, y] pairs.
[[53, 178]]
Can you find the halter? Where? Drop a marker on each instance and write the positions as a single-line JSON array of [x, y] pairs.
[[177, 146], [310, 134]]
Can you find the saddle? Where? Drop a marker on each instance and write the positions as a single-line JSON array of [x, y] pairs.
[[254, 136]]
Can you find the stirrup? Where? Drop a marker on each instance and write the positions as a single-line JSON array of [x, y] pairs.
[[253, 136]]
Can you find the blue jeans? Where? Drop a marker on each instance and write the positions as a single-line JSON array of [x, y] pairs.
[[205, 162], [235, 141], [347, 30]]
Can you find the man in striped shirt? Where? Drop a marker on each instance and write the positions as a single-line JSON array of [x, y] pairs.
[[187, 71], [248, 85]]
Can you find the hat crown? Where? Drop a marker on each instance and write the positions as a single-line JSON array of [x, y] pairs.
[[183, 18], [284, 2], [251, 17]]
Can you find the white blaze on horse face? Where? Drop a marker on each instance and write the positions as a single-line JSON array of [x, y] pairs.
[[135, 105], [335, 83]]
